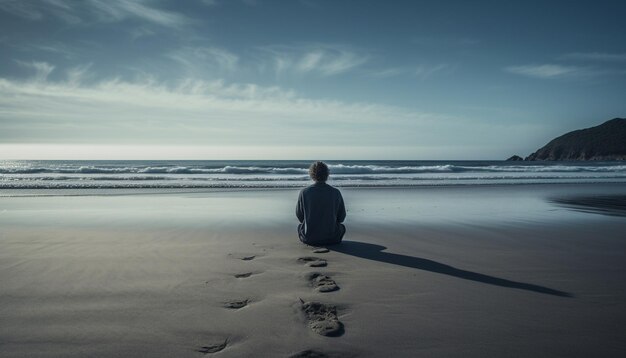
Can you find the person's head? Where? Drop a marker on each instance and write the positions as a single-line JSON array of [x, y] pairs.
[[318, 172]]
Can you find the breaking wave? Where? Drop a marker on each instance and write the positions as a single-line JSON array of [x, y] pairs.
[[334, 168], [277, 174]]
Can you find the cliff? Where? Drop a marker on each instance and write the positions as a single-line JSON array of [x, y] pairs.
[[604, 142]]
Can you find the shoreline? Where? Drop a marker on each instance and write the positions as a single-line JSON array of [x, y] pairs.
[[105, 191]]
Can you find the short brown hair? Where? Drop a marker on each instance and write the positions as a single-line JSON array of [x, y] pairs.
[[318, 171]]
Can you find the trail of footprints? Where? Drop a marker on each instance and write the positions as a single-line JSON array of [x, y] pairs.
[[321, 318]]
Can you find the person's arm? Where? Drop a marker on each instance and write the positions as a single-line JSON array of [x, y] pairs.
[[300, 208], [341, 212]]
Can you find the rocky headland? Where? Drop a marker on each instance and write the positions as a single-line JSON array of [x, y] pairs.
[[606, 141]]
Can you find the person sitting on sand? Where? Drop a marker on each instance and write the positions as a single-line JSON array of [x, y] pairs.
[[321, 210]]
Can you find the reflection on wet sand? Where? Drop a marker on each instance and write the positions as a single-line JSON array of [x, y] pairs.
[[613, 205]]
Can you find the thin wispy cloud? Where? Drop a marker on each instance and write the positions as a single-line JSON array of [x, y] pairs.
[[61, 49], [121, 9], [196, 112], [319, 60], [77, 75], [75, 12], [201, 60], [326, 60], [23, 9], [216, 113], [596, 56], [556, 71], [426, 70], [420, 71], [545, 70], [389, 72], [44, 50], [42, 69]]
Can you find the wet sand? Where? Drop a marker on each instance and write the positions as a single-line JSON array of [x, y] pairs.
[[460, 271]]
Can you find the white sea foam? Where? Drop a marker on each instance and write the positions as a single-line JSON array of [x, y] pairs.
[[334, 168], [211, 174]]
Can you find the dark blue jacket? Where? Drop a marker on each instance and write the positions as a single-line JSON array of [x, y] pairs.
[[321, 211]]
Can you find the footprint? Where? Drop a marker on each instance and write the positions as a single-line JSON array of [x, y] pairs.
[[243, 257], [213, 348], [243, 275], [321, 282], [312, 261], [236, 304], [312, 353], [322, 318], [320, 250], [309, 353]]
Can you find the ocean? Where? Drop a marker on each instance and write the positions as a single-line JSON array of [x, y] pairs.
[[174, 174]]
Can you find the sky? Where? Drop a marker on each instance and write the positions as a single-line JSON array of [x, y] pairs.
[[307, 79]]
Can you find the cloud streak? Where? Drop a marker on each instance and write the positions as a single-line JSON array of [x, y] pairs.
[[205, 59], [73, 12], [119, 10], [327, 60], [42, 69], [419, 71], [544, 71], [596, 56], [192, 112], [555, 71], [216, 114]]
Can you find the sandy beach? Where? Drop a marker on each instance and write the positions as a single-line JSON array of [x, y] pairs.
[[481, 271]]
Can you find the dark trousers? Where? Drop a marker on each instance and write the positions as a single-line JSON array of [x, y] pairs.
[[337, 240]]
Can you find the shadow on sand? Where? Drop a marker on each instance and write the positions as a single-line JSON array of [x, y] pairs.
[[375, 252]]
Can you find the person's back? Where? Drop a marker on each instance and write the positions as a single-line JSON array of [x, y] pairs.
[[321, 210]]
